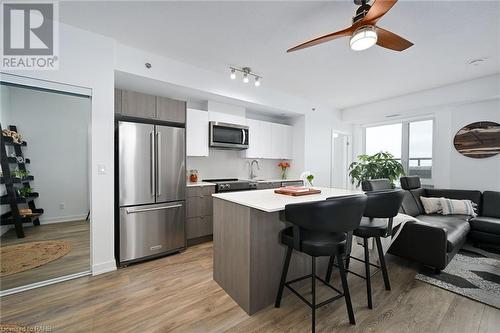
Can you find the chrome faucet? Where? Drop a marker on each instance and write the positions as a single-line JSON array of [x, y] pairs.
[[252, 173]]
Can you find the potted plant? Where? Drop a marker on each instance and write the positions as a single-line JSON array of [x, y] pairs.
[[310, 179], [379, 165], [284, 166], [25, 192]]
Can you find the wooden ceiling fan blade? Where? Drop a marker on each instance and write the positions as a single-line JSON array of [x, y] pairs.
[[379, 8], [390, 40], [323, 39]]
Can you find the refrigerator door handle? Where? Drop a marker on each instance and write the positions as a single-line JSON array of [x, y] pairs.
[[158, 159], [152, 163], [152, 209]]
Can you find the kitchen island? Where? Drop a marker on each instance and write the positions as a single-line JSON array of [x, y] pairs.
[[248, 255]]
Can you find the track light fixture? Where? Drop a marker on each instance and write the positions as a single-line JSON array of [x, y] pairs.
[[247, 72]]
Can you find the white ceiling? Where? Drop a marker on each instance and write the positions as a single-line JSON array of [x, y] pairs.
[[214, 35]]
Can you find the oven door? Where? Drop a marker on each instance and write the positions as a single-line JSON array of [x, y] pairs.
[[228, 136]]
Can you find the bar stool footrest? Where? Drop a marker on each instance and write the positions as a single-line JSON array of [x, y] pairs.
[[303, 299]]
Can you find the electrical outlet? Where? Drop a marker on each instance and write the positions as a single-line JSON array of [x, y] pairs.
[[62, 205]]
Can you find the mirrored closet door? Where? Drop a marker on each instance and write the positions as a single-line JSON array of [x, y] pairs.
[[45, 191]]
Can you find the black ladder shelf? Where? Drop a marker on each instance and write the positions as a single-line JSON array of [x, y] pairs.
[[12, 198]]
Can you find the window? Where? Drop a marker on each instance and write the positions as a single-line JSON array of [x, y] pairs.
[[410, 142], [384, 138]]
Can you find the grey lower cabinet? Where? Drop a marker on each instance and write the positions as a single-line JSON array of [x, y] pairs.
[[199, 213], [135, 104]]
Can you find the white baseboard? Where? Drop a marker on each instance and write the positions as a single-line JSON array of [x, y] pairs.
[[4, 229], [58, 219], [104, 267]]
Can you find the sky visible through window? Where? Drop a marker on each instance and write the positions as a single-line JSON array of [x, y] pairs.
[[384, 138], [420, 142]]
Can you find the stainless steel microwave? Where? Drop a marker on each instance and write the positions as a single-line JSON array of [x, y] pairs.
[[228, 136]]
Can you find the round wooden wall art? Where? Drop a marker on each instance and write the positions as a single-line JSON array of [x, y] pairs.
[[478, 140]]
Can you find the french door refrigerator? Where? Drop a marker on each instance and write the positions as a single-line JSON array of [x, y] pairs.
[[152, 184]]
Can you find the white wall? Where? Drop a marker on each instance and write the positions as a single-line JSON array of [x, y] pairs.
[[318, 127], [56, 127], [451, 107], [87, 60]]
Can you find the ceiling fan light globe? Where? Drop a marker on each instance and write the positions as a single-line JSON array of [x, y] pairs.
[[363, 38]]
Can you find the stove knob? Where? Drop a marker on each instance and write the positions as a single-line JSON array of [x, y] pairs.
[[228, 186]]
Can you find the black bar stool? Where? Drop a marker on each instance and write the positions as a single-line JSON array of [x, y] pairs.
[[319, 229], [380, 205]]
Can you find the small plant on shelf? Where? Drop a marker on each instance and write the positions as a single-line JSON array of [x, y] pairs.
[[379, 165], [25, 192], [284, 166], [20, 174]]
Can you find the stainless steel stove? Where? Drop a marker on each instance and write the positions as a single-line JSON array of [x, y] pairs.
[[232, 185]]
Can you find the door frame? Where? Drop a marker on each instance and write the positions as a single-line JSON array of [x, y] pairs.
[[60, 88], [348, 154]]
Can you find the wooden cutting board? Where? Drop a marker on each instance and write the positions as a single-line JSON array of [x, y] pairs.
[[297, 194]]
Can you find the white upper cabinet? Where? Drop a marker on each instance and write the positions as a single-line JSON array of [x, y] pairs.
[[259, 139], [196, 133], [269, 140]]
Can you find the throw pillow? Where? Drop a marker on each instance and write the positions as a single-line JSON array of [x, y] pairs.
[[431, 205], [462, 207]]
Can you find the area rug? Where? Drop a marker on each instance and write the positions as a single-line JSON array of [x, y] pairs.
[[14, 328], [22, 257], [473, 273]]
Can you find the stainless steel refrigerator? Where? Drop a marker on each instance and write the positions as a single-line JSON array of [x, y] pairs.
[[152, 185]]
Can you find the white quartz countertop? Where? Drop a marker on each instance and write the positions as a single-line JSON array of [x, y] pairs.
[[277, 180], [268, 201], [191, 184]]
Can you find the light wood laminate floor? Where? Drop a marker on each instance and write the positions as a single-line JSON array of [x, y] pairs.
[[177, 294], [76, 261]]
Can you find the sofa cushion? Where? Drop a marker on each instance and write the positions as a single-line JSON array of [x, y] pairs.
[[474, 196], [491, 204], [486, 224], [457, 227], [431, 205], [410, 182], [409, 205], [376, 185], [454, 207], [417, 193]]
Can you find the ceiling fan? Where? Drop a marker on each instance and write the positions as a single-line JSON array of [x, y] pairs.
[[364, 33]]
